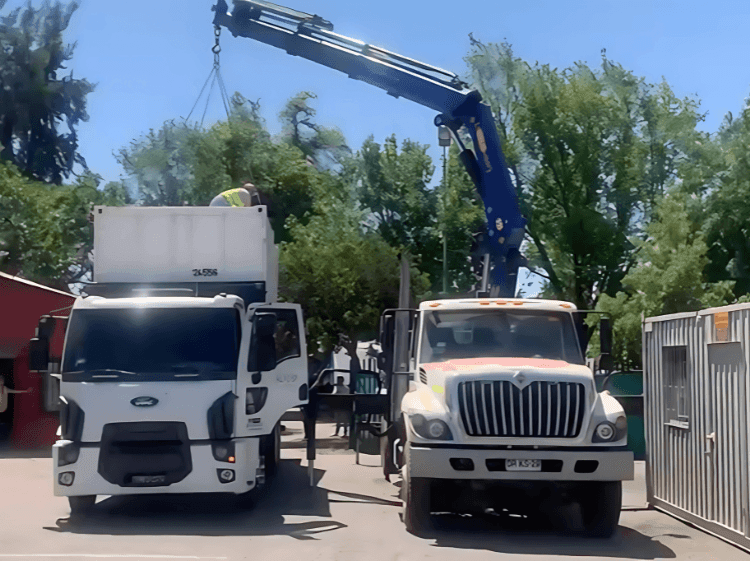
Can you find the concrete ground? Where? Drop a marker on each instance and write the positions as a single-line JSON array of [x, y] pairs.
[[352, 513]]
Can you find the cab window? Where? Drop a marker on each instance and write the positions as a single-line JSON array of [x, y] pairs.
[[286, 336]]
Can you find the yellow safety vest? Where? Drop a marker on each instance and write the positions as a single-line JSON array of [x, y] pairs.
[[233, 197]]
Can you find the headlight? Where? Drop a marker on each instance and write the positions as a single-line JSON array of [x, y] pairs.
[[608, 432], [604, 432], [432, 429], [223, 451], [68, 454]]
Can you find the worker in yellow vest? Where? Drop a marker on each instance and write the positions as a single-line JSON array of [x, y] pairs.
[[240, 197]]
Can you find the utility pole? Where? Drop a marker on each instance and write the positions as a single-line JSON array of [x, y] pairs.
[[444, 140]]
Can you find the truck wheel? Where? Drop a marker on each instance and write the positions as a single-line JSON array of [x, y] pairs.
[[415, 493], [82, 504], [271, 450], [600, 508]]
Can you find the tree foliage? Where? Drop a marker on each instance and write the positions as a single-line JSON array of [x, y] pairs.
[[326, 147], [668, 277], [161, 164], [39, 107], [727, 203], [460, 214], [45, 232], [392, 185], [590, 152], [343, 277]]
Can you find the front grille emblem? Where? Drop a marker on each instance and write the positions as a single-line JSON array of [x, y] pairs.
[[519, 379], [144, 401]]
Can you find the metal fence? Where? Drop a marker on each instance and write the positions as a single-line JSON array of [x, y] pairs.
[[696, 418]]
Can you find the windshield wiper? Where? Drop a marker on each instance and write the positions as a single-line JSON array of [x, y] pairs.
[[185, 370], [105, 371]]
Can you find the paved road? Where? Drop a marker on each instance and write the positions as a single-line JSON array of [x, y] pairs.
[[351, 514]]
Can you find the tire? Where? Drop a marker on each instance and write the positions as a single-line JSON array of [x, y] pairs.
[[81, 505], [601, 504], [415, 493], [271, 450]]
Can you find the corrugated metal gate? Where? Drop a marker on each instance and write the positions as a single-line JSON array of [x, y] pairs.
[[696, 416]]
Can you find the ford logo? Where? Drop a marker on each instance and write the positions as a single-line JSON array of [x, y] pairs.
[[144, 401]]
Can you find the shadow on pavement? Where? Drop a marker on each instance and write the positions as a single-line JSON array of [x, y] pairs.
[[9, 452], [553, 534], [257, 514]]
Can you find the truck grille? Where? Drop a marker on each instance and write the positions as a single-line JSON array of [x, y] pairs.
[[542, 409]]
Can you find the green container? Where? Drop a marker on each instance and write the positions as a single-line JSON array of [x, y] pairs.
[[627, 388], [365, 383]]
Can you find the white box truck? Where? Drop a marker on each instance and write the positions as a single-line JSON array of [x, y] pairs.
[[178, 363], [502, 413]]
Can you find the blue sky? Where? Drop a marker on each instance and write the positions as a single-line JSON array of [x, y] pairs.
[[149, 59]]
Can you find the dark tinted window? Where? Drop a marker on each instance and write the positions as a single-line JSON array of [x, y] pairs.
[[179, 342]]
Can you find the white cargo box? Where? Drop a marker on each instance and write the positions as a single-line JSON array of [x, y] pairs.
[[185, 244]]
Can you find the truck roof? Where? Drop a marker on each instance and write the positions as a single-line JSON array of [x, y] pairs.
[[99, 302], [498, 303]]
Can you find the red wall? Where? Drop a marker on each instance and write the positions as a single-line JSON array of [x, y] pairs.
[[21, 306]]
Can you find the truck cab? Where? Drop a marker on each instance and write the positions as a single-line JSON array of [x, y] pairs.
[[502, 410], [172, 386]]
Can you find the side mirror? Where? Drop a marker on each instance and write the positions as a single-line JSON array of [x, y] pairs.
[[38, 355], [46, 327], [583, 330], [262, 344], [605, 363], [385, 337]]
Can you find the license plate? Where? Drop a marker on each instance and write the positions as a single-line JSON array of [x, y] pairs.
[[523, 465], [149, 479]]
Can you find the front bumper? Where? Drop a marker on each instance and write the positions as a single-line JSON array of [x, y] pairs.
[[587, 464], [203, 476]]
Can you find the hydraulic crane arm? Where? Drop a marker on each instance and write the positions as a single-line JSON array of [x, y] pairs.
[[312, 37]]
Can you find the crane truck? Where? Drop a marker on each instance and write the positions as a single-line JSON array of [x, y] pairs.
[[178, 361], [491, 403]]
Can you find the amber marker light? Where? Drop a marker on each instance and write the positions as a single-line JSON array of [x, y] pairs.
[[230, 459]]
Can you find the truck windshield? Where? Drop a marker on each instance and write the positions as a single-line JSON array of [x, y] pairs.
[[454, 334], [152, 344]]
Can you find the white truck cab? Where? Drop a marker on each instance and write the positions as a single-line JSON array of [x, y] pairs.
[[502, 410], [168, 392]]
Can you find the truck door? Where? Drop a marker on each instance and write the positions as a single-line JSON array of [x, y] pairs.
[[272, 375]]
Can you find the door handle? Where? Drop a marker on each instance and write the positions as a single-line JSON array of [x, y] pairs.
[[712, 439]]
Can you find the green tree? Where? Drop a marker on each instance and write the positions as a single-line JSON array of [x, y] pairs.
[[39, 108], [239, 150], [45, 232], [460, 214], [231, 152], [393, 187], [668, 277], [727, 203], [343, 277], [590, 151], [161, 164], [325, 146]]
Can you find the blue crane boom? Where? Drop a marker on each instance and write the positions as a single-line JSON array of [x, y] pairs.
[[460, 108]]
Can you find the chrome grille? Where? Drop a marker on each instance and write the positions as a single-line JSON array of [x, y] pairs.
[[541, 409]]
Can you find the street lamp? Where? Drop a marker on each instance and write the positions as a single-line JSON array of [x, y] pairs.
[[444, 140]]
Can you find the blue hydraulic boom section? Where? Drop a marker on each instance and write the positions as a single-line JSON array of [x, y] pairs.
[[312, 37]]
